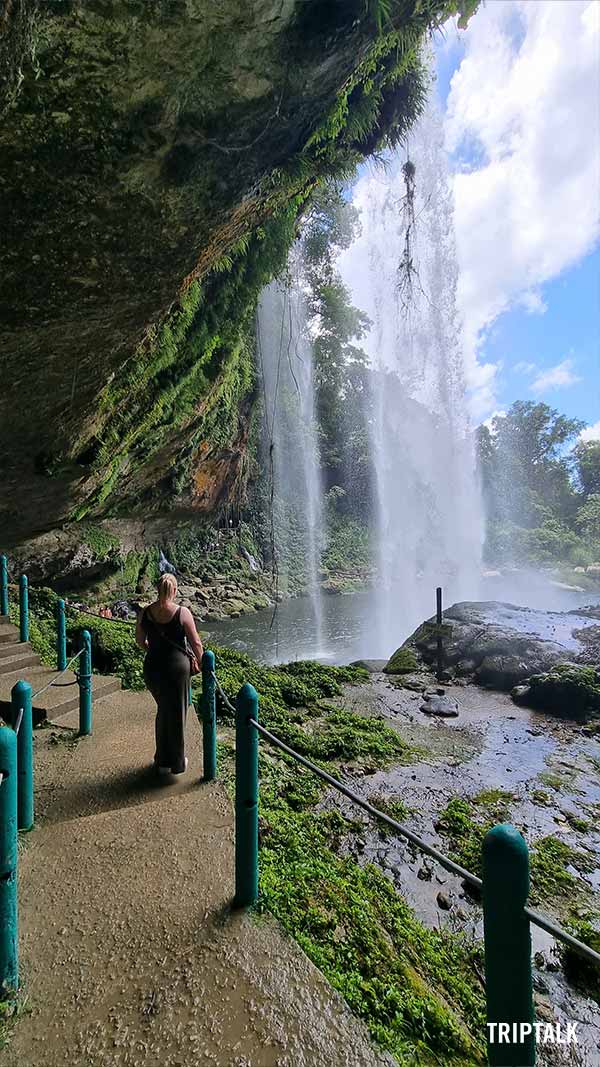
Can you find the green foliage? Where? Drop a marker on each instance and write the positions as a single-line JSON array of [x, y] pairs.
[[539, 498], [587, 461], [349, 551], [588, 519], [568, 690], [340, 366]]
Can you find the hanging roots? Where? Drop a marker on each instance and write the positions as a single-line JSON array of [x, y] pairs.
[[18, 39], [408, 275]]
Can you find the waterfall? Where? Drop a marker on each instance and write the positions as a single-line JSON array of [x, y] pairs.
[[429, 518], [290, 450]]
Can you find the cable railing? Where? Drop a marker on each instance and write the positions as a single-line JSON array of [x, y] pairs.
[[16, 762], [504, 887]]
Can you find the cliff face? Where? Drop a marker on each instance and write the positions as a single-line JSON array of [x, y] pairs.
[[154, 156]]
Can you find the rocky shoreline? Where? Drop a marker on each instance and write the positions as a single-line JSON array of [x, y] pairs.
[[498, 646]]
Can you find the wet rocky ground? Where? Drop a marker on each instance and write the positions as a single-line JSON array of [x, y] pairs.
[[547, 773]]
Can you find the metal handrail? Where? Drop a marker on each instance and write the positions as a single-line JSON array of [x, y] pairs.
[[455, 868], [54, 682], [95, 615]]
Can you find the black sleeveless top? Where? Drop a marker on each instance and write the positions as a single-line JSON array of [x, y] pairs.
[[165, 640]]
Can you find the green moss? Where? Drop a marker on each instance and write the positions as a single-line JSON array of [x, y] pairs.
[[551, 883], [391, 805], [103, 544], [403, 661], [583, 826], [413, 987], [581, 973], [466, 822]]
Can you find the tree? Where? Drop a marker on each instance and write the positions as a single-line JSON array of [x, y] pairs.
[[529, 465], [588, 518], [527, 477], [587, 461], [341, 367]]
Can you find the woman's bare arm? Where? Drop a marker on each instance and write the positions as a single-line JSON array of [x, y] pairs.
[[140, 633], [189, 625]]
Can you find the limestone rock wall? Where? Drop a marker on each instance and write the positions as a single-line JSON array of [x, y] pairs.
[[154, 156]]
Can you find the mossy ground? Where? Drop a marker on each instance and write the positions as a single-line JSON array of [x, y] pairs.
[[416, 989], [465, 822]]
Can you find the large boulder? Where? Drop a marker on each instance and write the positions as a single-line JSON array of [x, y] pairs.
[[492, 654]]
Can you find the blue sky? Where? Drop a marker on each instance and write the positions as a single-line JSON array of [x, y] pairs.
[[522, 123]]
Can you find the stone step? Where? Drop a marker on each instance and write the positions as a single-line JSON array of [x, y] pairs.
[[11, 648], [21, 662], [56, 700], [8, 632]]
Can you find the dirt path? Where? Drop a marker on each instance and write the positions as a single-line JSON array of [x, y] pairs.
[[130, 954]]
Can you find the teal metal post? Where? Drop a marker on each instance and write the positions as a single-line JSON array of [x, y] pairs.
[[20, 699], [61, 636], [507, 936], [3, 585], [246, 799], [9, 944], [23, 608], [85, 686], [209, 717]]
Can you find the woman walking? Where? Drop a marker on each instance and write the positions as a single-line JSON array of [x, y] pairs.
[[165, 632]]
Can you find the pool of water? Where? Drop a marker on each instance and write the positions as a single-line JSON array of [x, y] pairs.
[[289, 632]]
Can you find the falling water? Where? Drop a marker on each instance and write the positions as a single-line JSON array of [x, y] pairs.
[[290, 440], [429, 522]]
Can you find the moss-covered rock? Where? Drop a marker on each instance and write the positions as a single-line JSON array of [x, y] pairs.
[[403, 661], [567, 690]]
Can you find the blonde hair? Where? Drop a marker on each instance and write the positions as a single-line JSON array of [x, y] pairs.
[[167, 587]]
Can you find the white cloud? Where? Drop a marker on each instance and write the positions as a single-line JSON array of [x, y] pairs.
[[591, 433], [523, 118], [533, 302], [524, 368], [558, 377]]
